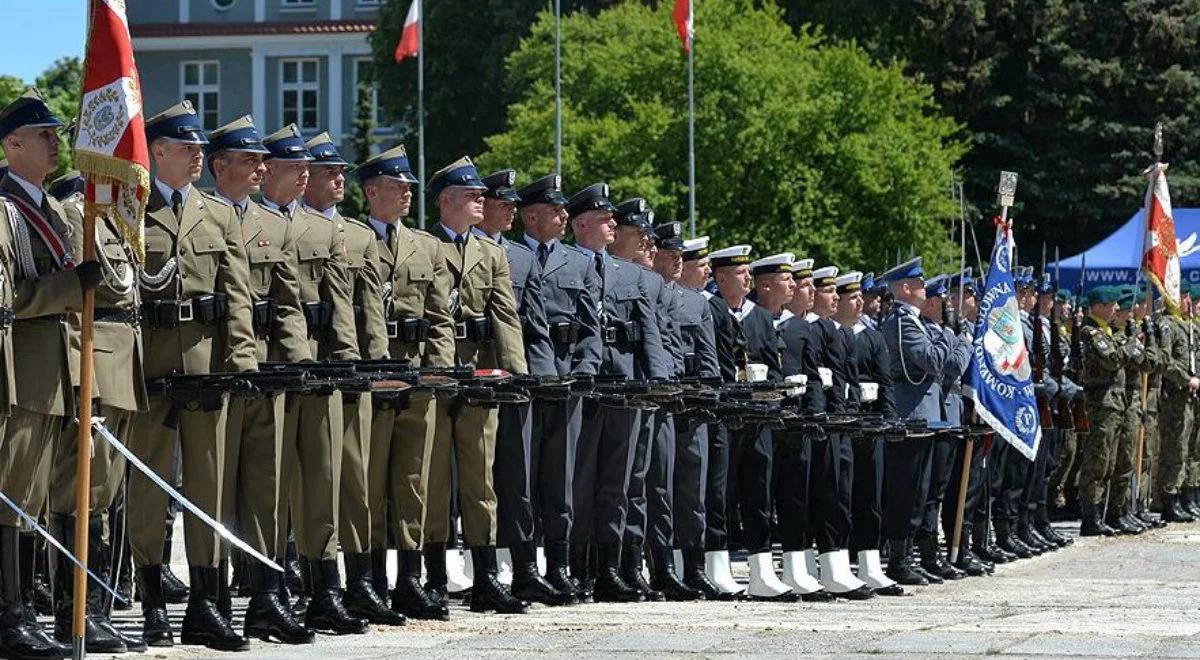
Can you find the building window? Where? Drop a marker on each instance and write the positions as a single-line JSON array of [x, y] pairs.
[[202, 87], [368, 3], [300, 93], [362, 73], [298, 4]]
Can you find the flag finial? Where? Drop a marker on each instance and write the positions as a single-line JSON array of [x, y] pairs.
[[1007, 189], [1158, 141]]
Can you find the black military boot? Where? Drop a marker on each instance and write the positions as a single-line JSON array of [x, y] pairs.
[[631, 572], [663, 578], [932, 560], [101, 561], [156, 626], [96, 639], [556, 569], [1006, 539], [610, 587], [996, 551], [1093, 524], [174, 590], [1041, 522], [1030, 537], [436, 580], [268, 617], [966, 561], [583, 572], [203, 624], [1191, 501], [224, 595], [36, 590], [123, 568], [20, 634], [239, 583], [326, 612], [487, 594], [900, 567], [695, 577], [379, 574], [409, 597], [1173, 511], [528, 584], [360, 597], [981, 545]]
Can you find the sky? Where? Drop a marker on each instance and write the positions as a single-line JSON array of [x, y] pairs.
[[37, 33]]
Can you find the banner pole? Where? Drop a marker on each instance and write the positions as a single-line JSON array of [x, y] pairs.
[[83, 447]]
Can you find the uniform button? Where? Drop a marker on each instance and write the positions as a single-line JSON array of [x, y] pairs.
[[314, 253], [182, 251]]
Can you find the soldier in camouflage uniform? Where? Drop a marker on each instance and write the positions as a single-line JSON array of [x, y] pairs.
[[1128, 335], [1190, 492], [1103, 377], [1143, 312], [1178, 390]]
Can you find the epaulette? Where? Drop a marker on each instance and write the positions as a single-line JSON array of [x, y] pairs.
[[214, 198], [522, 245]]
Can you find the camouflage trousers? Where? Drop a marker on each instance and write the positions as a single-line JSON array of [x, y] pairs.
[[1125, 455], [1097, 454], [1175, 427]]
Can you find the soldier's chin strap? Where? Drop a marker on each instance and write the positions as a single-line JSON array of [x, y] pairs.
[[103, 432], [58, 546]]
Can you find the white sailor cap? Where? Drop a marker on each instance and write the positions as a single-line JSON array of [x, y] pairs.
[[802, 269], [776, 263], [850, 282], [695, 248], [731, 256], [826, 276]]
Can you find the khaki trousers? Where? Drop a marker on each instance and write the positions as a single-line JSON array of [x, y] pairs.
[[398, 471], [470, 433]]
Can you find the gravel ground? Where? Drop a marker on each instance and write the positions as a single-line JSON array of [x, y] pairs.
[[1127, 597]]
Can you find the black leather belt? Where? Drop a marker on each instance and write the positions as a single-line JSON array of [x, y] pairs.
[[117, 315], [206, 308], [478, 329], [566, 332], [413, 331], [622, 332]]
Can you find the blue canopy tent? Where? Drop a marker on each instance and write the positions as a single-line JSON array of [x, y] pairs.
[[1116, 259]]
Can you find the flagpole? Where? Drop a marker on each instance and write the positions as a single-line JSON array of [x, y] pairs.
[[691, 124], [421, 114], [558, 131]]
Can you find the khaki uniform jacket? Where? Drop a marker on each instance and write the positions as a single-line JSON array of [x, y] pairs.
[[362, 264], [416, 284], [8, 381], [211, 258], [484, 286], [322, 275], [41, 347], [117, 346], [271, 253]]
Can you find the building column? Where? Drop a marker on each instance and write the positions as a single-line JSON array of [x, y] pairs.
[[258, 87], [335, 97]]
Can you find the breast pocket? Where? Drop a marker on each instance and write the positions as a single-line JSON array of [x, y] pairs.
[[262, 263], [561, 306], [159, 248], [206, 253], [312, 258]]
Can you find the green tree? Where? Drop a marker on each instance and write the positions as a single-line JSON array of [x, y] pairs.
[[801, 145], [355, 204], [60, 85], [1065, 92]]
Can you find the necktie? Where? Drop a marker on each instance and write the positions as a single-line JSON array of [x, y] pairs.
[[391, 237], [459, 242], [176, 202], [599, 259], [543, 253]]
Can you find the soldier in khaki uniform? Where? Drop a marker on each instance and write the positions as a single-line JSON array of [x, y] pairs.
[[312, 444], [326, 187], [119, 392], [416, 285], [487, 335], [41, 283], [196, 319], [1103, 378], [254, 436]]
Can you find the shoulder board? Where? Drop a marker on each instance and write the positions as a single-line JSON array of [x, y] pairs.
[[519, 244], [213, 198]]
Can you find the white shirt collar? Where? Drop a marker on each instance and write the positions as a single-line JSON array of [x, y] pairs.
[[859, 327], [740, 314], [811, 317], [784, 316], [328, 213], [166, 191], [380, 227], [287, 209], [35, 193]]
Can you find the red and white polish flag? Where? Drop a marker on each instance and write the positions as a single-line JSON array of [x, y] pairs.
[[1161, 257], [410, 37]]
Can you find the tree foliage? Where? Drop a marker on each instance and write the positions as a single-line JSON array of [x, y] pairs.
[[1065, 92], [60, 85], [361, 143], [801, 144]]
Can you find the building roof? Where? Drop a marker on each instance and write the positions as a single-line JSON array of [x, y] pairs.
[[267, 27]]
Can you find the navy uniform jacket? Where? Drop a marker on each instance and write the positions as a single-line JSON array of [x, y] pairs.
[[850, 350], [763, 344], [527, 289], [728, 333], [569, 287], [874, 365], [625, 300], [918, 358], [697, 334], [831, 354], [801, 356]]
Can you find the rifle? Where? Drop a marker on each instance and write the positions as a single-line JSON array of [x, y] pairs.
[[206, 392], [1063, 418], [1079, 408], [1038, 363]]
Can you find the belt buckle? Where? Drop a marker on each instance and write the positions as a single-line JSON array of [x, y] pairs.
[[393, 329], [610, 335], [460, 330], [185, 311]]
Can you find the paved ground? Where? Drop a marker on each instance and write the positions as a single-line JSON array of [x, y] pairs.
[[1115, 598]]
